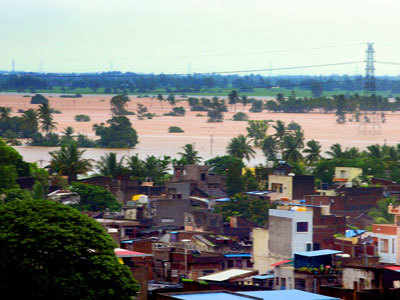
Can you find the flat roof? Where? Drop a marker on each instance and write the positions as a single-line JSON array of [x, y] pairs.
[[318, 252], [286, 295], [227, 274], [259, 295], [238, 255]]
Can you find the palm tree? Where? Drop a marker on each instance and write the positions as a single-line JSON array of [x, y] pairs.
[[335, 151], [291, 147], [257, 131], [46, 118], [30, 122], [69, 161], [280, 131], [241, 148], [109, 166], [313, 151], [189, 156], [135, 167], [269, 148], [375, 151], [5, 112]]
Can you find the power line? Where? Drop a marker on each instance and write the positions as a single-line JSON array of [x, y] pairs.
[[388, 63]]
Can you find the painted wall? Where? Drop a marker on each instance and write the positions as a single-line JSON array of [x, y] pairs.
[[351, 274], [286, 181]]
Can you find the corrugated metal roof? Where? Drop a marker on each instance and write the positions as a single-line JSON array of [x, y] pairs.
[[226, 275], [209, 296], [263, 277], [238, 255], [287, 295], [318, 252], [352, 233]]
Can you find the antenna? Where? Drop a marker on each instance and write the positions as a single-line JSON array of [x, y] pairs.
[[370, 85]]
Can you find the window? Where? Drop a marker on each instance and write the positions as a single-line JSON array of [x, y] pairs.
[[308, 247], [316, 246], [277, 281], [203, 176], [343, 174], [384, 245], [393, 246], [302, 226]]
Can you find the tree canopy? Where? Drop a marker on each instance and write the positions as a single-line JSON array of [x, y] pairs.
[[60, 252]]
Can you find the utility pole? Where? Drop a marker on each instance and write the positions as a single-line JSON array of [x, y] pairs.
[[211, 139]]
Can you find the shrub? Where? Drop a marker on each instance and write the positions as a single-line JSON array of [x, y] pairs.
[[240, 116], [177, 111], [199, 115], [39, 99], [82, 118], [175, 129]]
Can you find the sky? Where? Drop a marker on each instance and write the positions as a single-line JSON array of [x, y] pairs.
[[186, 36]]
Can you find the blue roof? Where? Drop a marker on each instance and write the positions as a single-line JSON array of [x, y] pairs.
[[209, 296], [286, 295], [238, 255], [318, 252], [263, 277], [127, 242], [222, 199], [352, 233], [258, 192]]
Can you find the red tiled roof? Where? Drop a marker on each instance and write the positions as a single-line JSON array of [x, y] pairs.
[[281, 262]]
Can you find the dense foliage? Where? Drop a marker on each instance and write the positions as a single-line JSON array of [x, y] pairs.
[[118, 134], [95, 198], [60, 252]]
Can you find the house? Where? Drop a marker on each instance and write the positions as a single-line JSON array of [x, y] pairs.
[[346, 174], [388, 237], [290, 231], [287, 185], [307, 271]]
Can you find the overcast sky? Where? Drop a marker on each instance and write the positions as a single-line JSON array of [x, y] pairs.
[[179, 36]]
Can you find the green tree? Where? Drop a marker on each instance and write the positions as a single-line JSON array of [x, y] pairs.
[[257, 131], [118, 105], [47, 123], [313, 151], [240, 116], [118, 134], [189, 155], [5, 112], [30, 124], [240, 147], [109, 166], [94, 198], [60, 252], [69, 161], [380, 213]]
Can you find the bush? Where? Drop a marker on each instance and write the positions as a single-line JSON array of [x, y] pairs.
[[39, 99], [82, 118], [199, 115], [240, 116], [175, 129], [177, 111]]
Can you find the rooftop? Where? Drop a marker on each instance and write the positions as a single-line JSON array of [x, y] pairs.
[[318, 252], [228, 274], [258, 295]]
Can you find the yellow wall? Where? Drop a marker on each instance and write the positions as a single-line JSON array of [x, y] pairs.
[[286, 181], [351, 173]]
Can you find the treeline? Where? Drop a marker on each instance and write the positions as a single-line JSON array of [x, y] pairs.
[[117, 82], [37, 126]]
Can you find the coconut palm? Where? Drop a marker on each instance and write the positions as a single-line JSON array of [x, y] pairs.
[[270, 148], [335, 151], [280, 131], [241, 148], [292, 144], [190, 156], [30, 122], [69, 161], [313, 151], [46, 118], [109, 166], [257, 131]]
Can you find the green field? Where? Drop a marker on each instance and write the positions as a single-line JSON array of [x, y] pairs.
[[260, 92]]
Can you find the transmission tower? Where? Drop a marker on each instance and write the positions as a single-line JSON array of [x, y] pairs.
[[370, 85], [371, 119]]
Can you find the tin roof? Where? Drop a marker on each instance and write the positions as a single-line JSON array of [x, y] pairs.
[[318, 252]]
